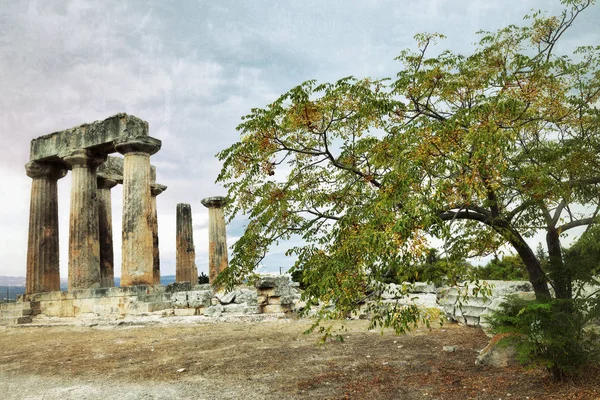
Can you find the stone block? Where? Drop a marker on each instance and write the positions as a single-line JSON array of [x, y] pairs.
[[184, 312], [155, 306], [234, 308], [261, 300], [200, 298], [213, 311], [225, 297], [252, 310], [274, 309], [178, 287], [423, 287], [271, 281], [273, 300], [246, 295], [180, 300]]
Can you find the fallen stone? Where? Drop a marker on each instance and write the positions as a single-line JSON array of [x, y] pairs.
[[449, 349], [500, 352], [225, 298]]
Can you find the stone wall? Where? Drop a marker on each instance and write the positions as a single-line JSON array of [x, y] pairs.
[[269, 295]]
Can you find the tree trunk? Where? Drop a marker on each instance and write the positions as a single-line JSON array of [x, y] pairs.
[[537, 277], [561, 277]]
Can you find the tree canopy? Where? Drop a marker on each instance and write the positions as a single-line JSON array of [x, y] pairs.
[[479, 150]]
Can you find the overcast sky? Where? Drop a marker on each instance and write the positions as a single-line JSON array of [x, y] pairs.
[[192, 69]]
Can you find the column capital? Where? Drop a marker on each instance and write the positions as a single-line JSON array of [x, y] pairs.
[[146, 145], [156, 189], [214, 202], [105, 182], [84, 159], [35, 169]]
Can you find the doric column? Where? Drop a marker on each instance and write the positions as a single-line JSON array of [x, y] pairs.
[[185, 267], [155, 190], [42, 249], [217, 237], [107, 261], [84, 237], [138, 254]]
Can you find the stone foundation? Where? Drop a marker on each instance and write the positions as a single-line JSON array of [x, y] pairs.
[[270, 295]]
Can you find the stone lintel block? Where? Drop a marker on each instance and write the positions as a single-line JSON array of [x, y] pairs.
[[98, 135]]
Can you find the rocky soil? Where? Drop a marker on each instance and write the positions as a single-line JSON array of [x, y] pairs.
[[266, 358]]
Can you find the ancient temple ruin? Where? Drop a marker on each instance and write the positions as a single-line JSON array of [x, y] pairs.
[[85, 151]]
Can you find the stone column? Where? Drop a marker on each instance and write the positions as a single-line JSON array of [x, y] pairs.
[[155, 190], [107, 261], [43, 273], [185, 267], [217, 237], [84, 236], [137, 250]]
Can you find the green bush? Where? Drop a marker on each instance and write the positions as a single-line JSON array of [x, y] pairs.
[[202, 278], [552, 333]]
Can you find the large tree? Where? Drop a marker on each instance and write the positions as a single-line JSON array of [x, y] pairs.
[[479, 150]]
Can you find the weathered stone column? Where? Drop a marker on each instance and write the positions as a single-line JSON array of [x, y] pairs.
[[84, 236], [155, 190], [107, 261], [138, 253], [217, 237], [185, 267], [43, 273]]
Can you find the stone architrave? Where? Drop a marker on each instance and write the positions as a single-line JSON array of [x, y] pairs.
[[155, 190], [137, 242], [185, 267], [217, 237], [84, 236], [43, 273], [107, 274]]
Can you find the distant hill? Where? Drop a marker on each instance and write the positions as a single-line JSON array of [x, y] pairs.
[[16, 285]]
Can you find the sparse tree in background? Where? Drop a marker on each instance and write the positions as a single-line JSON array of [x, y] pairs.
[[479, 150]]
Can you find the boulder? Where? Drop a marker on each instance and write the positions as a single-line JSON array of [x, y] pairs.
[[500, 352]]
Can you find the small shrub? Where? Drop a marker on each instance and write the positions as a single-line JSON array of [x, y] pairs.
[[202, 278], [552, 333]]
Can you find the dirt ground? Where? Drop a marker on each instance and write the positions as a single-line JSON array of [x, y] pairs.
[[261, 360]]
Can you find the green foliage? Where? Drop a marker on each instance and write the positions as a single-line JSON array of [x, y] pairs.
[[510, 268], [433, 268], [552, 333], [479, 150]]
